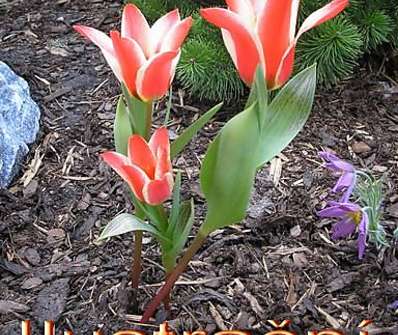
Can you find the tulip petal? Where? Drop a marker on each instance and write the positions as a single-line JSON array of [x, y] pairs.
[[104, 42], [246, 54], [285, 68], [278, 18], [154, 78], [135, 177], [140, 154], [160, 140], [176, 36], [322, 15], [130, 57], [161, 28], [135, 26], [258, 5], [157, 191], [244, 9]]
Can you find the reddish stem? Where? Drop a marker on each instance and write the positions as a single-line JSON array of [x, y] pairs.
[[179, 269], [136, 266]]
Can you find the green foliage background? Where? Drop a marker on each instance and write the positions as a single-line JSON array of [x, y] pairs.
[[207, 72]]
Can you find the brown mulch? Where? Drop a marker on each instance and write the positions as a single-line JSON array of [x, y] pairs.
[[279, 264]]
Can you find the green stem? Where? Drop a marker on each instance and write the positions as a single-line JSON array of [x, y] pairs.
[[148, 119], [127, 98], [178, 270]]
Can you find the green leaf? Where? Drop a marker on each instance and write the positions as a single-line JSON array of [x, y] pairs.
[[126, 223], [262, 95], [231, 162], [179, 144], [287, 114], [259, 93], [184, 226], [122, 129], [229, 168]]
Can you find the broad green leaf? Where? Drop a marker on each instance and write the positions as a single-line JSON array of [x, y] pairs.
[[153, 213], [179, 144], [258, 91], [179, 236], [287, 114], [230, 164], [228, 170], [184, 226], [126, 223], [122, 129], [262, 95], [175, 209]]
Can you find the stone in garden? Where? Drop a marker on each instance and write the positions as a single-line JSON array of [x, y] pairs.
[[19, 123]]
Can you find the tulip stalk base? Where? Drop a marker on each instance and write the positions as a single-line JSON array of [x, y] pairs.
[[174, 275]]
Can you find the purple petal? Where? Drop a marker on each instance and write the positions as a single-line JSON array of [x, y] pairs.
[[343, 228], [335, 163], [363, 225], [337, 210], [342, 166], [361, 245], [332, 212], [327, 156], [394, 305], [345, 181], [363, 232]]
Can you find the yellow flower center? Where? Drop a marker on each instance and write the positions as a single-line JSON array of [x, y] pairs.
[[356, 217]]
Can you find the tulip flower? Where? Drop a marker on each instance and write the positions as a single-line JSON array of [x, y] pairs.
[[351, 216], [264, 32], [147, 169], [346, 171], [143, 58]]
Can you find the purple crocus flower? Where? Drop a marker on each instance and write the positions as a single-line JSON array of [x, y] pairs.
[[393, 305], [346, 171], [351, 216]]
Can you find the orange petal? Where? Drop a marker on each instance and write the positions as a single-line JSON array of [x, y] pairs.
[[158, 191], [130, 57], [161, 28], [322, 15], [285, 69], [160, 140], [163, 164], [135, 177], [104, 42], [176, 36], [154, 78], [244, 8], [160, 146], [258, 5], [276, 29], [246, 54], [141, 155], [135, 26]]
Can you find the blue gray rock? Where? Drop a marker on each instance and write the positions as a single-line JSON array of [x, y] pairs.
[[19, 123]]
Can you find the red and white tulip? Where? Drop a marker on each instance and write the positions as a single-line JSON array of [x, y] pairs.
[[144, 58], [264, 32], [147, 168]]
